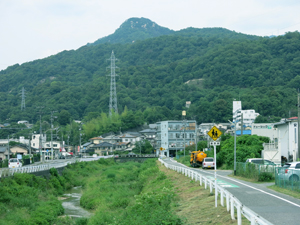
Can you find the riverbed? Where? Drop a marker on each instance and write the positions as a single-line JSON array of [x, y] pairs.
[[71, 203]]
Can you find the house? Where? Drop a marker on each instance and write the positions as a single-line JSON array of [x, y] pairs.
[[287, 132], [149, 134], [133, 138], [123, 146], [37, 140], [87, 148], [104, 148], [19, 149], [173, 136], [96, 140], [112, 139]]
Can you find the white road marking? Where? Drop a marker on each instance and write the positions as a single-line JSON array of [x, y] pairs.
[[275, 196]]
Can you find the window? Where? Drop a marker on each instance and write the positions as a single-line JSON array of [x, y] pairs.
[[33, 137], [33, 144], [54, 145], [297, 166]]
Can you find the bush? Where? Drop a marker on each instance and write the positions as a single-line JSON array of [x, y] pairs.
[[265, 176]]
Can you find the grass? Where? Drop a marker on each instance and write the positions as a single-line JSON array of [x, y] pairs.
[[252, 180], [196, 203], [295, 194]]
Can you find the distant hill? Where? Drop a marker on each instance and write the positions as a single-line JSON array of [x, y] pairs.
[[154, 74], [135, 29]]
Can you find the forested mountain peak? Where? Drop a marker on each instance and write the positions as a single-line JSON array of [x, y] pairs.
[[134, 29]]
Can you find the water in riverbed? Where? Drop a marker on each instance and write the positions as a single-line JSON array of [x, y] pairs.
[[71, 203]]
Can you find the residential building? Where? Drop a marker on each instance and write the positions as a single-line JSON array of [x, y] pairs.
[[173, 136], [149, 134], [104, 148], [287, 132], [37, 140], [96, 140], [248, 116]]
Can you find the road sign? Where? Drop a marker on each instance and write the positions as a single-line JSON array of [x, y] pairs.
[[214, 133], [214, 143]]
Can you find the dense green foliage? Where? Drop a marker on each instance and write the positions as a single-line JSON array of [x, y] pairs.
[[158, 74], [130, 193], [247, 146], [28, 199]]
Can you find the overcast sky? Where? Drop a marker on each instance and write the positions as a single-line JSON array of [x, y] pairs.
[[34, 29]]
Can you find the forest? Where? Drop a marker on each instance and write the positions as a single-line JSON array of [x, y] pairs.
[[158, 71]]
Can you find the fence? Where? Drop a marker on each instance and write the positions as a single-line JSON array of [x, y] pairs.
[[6, 172], [287, 178], [232, 203], [252, 170]]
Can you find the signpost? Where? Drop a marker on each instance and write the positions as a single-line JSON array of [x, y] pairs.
[[214, 134]]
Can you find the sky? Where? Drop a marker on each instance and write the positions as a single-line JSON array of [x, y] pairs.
[[35, 29]]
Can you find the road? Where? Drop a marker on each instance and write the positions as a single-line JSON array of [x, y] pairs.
[[275, 207]]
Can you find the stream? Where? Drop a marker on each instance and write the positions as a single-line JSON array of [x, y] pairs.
[[71, 203]]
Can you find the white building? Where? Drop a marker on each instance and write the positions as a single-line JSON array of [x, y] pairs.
[[36, 142], [287, 131], [266, 130], [248, 116], [173, 136]]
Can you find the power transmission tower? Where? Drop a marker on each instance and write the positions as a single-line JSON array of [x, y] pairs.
[[23, 99], [113, 91]]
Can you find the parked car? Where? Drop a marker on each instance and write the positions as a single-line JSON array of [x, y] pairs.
[[14, 163], [260, 161], [290, 171], [208, 162]]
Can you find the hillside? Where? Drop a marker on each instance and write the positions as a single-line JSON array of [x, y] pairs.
[[134, 29], [261, 72]]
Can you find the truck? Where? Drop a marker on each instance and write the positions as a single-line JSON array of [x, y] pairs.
[[197, 158]]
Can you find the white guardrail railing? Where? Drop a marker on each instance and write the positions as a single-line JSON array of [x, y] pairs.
[[232, 203], [7, 172]]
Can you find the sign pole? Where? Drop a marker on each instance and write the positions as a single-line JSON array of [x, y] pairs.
[[216, 190], [215, 133]]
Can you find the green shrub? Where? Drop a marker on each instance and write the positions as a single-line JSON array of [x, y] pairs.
[[265, 176]]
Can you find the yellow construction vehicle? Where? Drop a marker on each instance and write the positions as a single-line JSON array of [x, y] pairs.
[[197, 158]]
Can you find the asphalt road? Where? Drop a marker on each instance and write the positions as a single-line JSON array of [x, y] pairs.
[[275, 207]]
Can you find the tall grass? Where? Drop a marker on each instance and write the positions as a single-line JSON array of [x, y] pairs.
[[130, 193]]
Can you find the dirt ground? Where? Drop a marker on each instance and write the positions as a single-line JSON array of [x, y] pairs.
[[195, 203]]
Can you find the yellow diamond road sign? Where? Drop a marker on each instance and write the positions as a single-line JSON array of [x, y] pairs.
[[214, 133]]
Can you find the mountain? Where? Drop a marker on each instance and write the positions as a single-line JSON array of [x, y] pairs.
[[209, 67], [135, 29]]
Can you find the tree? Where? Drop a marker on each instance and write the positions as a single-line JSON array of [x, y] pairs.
[[64, 117]]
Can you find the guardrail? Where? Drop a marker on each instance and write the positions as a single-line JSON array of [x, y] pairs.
[[6, 172], [232, 203]]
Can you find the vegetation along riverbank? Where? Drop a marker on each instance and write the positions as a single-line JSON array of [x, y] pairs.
[[124, 193]]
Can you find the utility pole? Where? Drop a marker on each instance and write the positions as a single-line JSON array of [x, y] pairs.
[[242, 123], [195, 135], [80, 141], [8, 147], [51, 119], [113, 106], [23, 99], [298, 126], [40, 144], [184, 114], [30, 148]]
